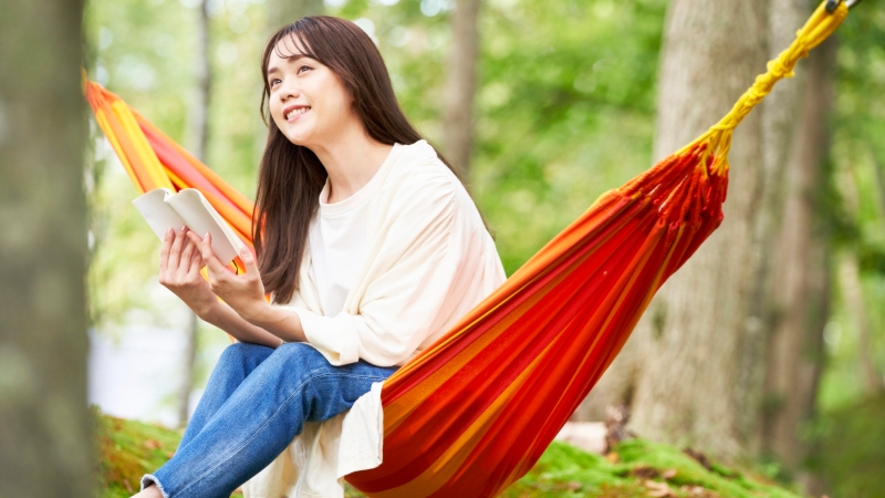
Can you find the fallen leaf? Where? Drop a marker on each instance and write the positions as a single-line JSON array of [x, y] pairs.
[[153, 444], [659, 489], [644, 472], [699, 457], [613, 457], [669, 474]]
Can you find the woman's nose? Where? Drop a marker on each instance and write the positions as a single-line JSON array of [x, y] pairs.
[[289, 90]]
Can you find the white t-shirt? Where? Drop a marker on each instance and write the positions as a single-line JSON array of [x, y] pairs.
[[338, 240], [428, 260]]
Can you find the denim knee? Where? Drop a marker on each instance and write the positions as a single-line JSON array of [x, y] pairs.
[[239, 352], [303, 355]]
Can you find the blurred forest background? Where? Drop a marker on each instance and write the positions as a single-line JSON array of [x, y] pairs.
[[769, 346]]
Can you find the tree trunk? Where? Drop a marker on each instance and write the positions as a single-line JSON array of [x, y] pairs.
[[780, 117], [801, 271], [282, 12], [852, 287], [702, 363], [461, 86], [852, 290], [46, 446], [199, 130]]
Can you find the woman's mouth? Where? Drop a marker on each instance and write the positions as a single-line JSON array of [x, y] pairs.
[[295, 113]]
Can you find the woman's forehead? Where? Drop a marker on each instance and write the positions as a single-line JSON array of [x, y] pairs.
[[289, 46]]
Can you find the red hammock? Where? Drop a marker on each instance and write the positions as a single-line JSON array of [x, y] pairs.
[[474, 412]]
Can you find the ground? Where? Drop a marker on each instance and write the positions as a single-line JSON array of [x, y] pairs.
[[636, 468]]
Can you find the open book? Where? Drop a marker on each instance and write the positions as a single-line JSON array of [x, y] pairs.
[[162, 209]]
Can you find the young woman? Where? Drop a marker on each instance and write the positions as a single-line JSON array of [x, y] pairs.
[[370, 248]]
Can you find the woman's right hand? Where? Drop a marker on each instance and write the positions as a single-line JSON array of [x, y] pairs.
[[180, 264]]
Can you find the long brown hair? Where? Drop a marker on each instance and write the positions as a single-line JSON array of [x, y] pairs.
[[291, 176]]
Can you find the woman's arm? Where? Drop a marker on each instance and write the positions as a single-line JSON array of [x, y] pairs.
[[228, 320], [245, 312], [180, 264]]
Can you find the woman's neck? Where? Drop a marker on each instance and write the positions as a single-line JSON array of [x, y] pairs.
[[351, 161]]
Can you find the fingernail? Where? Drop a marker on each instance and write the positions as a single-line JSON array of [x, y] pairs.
[[169, 232], [183, 227]]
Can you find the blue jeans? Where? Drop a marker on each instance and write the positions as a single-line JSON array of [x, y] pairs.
[[256, 402]]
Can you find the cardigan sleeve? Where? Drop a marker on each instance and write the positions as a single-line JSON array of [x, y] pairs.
[[406, 289]]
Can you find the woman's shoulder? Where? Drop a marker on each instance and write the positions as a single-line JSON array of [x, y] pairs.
[[424, 186], [421, 170]]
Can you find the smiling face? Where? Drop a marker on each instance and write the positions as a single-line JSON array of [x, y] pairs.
[[308, 102]]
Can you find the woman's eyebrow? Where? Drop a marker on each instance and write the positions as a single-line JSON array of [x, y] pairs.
[[289, 59]]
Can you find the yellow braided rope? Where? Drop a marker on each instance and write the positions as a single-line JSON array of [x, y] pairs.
[[819, 26]]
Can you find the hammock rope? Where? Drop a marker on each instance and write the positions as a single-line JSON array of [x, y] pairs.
[[818, 28], [474, 412]]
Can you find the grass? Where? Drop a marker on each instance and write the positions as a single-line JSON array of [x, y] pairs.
[[637, 468]]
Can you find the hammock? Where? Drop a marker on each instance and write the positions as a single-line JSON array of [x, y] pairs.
[[473, 413]]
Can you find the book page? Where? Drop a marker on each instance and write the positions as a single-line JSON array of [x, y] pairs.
[[201, 217], [159, 215]]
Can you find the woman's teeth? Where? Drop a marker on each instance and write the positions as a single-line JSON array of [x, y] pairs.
[[296, 112]]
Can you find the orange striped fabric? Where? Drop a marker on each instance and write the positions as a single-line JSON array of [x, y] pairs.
[[153, 160], [474, 412]]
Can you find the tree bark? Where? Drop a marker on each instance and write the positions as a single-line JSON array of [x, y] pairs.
[[461, 85], [780, 116], [199, 125], [46, 448], [702, 368], [801, 271]]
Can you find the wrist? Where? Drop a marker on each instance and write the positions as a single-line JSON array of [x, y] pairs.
[[258, 313], [208, 309]]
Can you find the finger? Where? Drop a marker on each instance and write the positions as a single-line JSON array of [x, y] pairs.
[[175, 250], [164, 250], [196, 263], [248, 261], [216, 269], [186, 255], [195, 239]]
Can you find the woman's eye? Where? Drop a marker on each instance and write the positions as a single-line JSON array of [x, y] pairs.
[[274, 81], [302, 68]]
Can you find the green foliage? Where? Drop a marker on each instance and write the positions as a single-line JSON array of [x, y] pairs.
[[850, 455], [565, 104], [856, 210]]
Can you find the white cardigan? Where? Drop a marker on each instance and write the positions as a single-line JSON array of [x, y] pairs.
[[430, 260]]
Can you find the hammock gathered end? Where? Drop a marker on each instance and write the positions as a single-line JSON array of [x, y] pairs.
[[474, 412], [818, 28]]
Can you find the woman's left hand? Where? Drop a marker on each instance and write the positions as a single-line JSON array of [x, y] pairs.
[[244, 293]]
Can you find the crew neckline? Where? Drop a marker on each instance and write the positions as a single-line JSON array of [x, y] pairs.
[[363, 194]]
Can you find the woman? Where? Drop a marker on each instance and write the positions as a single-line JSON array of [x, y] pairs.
[[370, 248]]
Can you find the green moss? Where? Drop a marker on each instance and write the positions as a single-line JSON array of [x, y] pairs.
[[131, 449], [128, 450], [567, 471]]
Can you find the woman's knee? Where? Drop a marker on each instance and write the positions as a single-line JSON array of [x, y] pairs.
[[300, 360], [241, 354]]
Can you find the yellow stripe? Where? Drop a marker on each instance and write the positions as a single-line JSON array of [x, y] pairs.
[[146, 155], [115, 143]]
